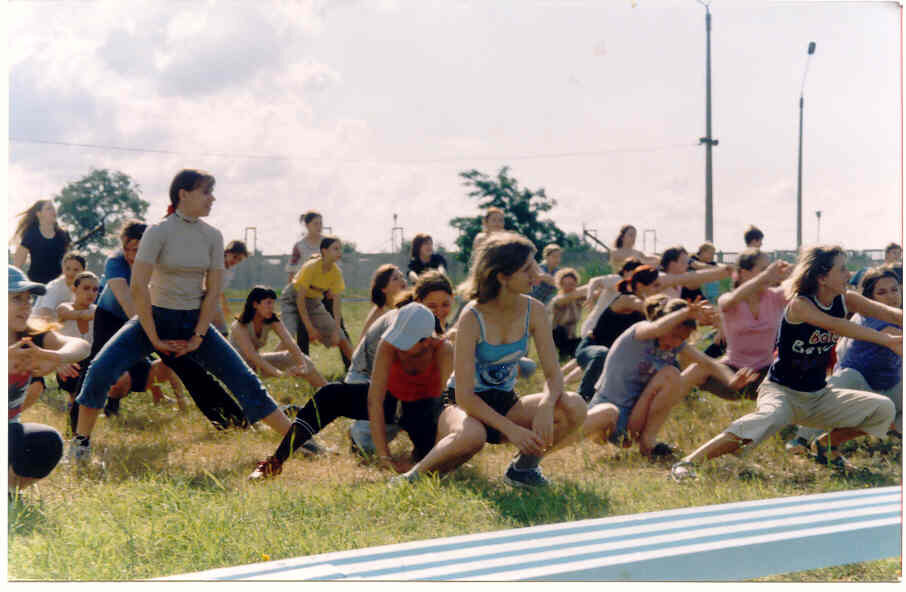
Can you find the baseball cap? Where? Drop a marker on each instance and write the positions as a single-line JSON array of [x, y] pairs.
[[413, 323], [18, 282]]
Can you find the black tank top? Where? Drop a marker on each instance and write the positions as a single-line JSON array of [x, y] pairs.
[[611, 325], [803, 351]]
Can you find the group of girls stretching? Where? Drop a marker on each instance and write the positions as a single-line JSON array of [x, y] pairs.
[[453, 389]]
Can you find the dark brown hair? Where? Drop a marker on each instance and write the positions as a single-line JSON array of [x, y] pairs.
[[813, 264], [379, 281], [502, 253], [188, 180]]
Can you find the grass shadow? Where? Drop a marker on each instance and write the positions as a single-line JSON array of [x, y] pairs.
[[24, 516]]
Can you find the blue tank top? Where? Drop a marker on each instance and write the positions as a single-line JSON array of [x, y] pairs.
[[803, 351], [496, 366]]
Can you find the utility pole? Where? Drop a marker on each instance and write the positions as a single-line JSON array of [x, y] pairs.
[[708, 141]]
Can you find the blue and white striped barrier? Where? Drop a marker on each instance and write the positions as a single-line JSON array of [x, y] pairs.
[[721, 542]]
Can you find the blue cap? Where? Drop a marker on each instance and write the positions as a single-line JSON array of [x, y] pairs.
[[18, 282]]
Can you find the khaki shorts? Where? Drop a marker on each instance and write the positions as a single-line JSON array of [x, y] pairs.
[[320, 318], [828, 408], [283, 360]]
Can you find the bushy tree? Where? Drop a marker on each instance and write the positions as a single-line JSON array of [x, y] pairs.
[[104, 196], [522, 207]]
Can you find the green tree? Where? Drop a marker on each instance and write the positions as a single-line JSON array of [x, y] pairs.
[[522, 211], [104, 196]]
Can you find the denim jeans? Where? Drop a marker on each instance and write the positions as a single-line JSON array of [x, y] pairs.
[[590, 358], [215, 355]]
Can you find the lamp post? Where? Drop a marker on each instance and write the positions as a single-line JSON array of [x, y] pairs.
[[811, 50], [818, 234], [708, 141]]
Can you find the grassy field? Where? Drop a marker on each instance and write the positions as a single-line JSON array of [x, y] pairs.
[[174, 497]]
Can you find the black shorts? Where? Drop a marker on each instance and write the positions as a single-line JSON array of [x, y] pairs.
[[498, 400], [34, 449]]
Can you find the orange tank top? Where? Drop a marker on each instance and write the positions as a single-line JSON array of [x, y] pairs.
[[413, 387]]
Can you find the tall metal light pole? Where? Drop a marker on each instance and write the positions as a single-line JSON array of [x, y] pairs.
[[811, 50], [708, 141]]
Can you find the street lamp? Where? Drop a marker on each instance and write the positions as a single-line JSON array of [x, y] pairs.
[[818, 234], [811, 50], [708, 141]]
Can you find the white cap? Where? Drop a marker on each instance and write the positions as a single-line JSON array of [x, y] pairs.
[[413, 323]]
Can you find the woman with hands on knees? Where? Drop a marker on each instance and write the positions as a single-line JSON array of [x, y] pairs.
[[176, 259], [34, 350], [492, 336]]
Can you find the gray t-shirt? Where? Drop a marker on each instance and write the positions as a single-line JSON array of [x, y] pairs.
[[630, 364], [363, 357], [182, 251]]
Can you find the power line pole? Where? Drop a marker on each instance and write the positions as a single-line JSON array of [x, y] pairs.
[[708, 141]]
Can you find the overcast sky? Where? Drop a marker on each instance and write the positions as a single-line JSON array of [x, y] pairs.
[[365, 109]]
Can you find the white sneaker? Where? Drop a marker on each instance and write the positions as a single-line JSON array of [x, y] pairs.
[[681, 471], [79, 455]]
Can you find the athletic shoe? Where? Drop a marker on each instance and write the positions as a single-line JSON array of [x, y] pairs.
[[403, 479], [526, 478], [79, 455], [271, 467], [798, 445], [681, 471]]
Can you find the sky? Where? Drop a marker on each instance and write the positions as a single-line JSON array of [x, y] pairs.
[[366, 109]]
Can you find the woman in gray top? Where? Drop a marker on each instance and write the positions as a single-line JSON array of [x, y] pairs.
[[176, 259]]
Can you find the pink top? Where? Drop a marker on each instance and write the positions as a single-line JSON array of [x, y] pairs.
[[750, 340]]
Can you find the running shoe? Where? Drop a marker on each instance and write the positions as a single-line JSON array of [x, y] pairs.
[[271, 467], [525, 478]]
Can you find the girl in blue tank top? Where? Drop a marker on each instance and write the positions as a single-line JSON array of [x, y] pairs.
[[795, 390], [492, 336]]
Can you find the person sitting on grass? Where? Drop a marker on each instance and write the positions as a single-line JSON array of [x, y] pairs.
[[795, 390], [566, 311], [642, 382], [410, 368], [866, 366], [481, 404], [319, 277], [750, 318], [250, 332], [386, 283], [35, 349]]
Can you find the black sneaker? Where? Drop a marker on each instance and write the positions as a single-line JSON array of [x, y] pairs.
[[313, 448], [525, 478], [112, 407]]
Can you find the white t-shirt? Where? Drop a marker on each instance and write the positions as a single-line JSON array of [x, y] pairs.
[[71, 328], [57, 293]]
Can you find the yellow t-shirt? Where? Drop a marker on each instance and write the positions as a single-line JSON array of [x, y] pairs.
[[315, 282]]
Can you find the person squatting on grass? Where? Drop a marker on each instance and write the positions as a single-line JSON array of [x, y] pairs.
[[795, 390], [178, 257], [250, 332], [434, 290], [386, 283], [866, 366], [235, 253], [59, 289], [410, 368], [566, 310], [35, 349], [493, 332], [750, 317], [641, 381]]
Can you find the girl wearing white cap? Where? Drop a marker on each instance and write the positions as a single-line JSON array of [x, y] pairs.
[[492, 336], [410, 369], [34, 449]]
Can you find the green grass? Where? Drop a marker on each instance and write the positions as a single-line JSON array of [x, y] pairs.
[[175, 499]]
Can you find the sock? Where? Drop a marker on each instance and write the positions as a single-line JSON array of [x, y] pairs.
[[526, 461], [82, 440], [299, 433]]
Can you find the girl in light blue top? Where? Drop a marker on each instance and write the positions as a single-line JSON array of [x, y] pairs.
[[492, 337]]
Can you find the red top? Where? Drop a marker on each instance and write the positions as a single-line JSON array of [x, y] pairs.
[[413, 387]]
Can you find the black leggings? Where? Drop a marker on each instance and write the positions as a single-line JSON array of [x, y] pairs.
[[34, 449], [338, 399]]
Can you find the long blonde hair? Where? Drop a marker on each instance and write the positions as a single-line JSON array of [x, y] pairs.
[[502, 252]]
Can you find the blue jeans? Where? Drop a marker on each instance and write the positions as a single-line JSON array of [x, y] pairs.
[[590, 358], [215, 355]]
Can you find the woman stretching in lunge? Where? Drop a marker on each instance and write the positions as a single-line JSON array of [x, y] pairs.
[[493, 335], [795, 391], [866, 366], [316, 278], [249, 333], [411, 366], [641, 380], [176, 256], [386, 283]]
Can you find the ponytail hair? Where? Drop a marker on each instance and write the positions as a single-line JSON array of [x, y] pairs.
[[188, 180], [643, 274], [661, 305]]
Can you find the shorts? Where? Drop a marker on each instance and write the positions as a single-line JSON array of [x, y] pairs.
[[619, 432], [498, 400], [34, 449], [320, 318]]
